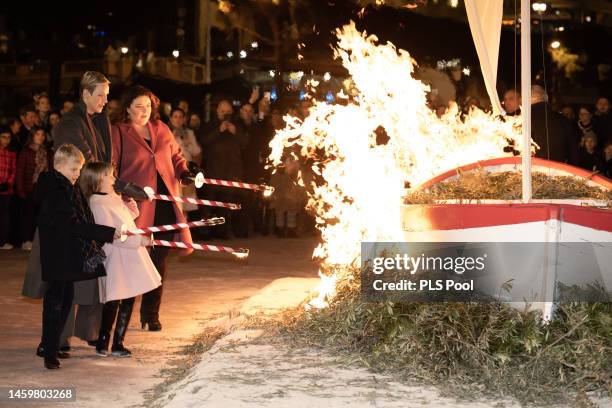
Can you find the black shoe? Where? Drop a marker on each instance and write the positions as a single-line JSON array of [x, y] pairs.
[[102, 346], [154, 325], [52, 363], [40, 352], [119, 351]]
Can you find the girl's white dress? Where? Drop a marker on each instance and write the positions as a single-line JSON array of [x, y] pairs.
[[129, 269]]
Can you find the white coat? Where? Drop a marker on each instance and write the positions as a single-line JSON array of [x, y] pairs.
[[129, 269]]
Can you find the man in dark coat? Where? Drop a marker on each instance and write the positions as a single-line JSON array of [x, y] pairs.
[[222, 142], [70, 245], [550, 130]]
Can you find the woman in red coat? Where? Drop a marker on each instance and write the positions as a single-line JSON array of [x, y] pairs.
[[146, 153]]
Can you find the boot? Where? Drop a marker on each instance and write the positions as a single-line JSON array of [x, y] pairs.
[[109, 313], [123, 321]]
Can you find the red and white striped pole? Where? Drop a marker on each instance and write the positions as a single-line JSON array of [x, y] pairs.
[[237, 252], [152, 196], [125, 232], [200, 180]]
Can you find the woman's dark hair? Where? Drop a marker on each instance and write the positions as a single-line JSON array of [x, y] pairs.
[[586, 108], [128, 97], [33, 132], [177, 110]]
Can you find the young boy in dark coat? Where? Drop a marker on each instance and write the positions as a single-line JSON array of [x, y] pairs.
[[70, 244]]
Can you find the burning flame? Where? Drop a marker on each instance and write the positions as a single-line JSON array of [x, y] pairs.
[[358, 183]]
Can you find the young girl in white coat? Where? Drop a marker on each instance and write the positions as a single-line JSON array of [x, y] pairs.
[[129, 269]]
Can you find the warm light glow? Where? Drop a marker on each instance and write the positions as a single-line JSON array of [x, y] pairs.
[[561, 28], [555, 44], [588, 19], [539, 7], [230, 54], [254, 44], [326, 76], [243, 54], [272, 73], [453, 3], [361, 183], [176, 53], [124, 50], [466, 71]]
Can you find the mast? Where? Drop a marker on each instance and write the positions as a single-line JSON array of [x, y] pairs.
[[526, 97]]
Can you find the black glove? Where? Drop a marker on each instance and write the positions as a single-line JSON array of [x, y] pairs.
[[130, 190], [187, 177], [4, 187], [194, 168]]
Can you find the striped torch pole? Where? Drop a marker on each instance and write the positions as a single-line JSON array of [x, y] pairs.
[[240, 253], [200, 180], [152, 196], [125, 232]]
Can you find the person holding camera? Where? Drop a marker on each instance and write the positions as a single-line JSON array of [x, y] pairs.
[[222, 142]]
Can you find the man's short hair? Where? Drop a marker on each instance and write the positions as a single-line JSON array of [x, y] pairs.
[[90, 80], [538, 94], [67, 152], [25, 109], [5, 129]]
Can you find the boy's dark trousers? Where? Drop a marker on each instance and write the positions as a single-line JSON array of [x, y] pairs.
[[56, 307], [5, 220]]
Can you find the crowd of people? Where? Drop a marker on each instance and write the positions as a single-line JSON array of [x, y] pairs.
[[232, 146], [581, 136]]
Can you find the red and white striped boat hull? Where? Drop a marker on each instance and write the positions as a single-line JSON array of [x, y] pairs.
[[548, 221]]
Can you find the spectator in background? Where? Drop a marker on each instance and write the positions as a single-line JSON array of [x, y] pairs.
[[602, 121], [66, 107], [34, 159], [263, 109], [8, 168], [15, 129], [165, 108], [194, 122], [607, 156], [43, 108], [189, 148], [550, 130], [54, 118], [222, 142], [588, 156], [112, 107], [28, 117], [183, 104], [512, 102], [585, 120], [184, 136], [569, 113], [288, 201]]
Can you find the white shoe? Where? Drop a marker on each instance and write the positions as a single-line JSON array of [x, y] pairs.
[[6, 246], [27, 246]]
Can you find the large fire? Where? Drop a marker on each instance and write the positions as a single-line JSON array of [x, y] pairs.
[[359, 183]]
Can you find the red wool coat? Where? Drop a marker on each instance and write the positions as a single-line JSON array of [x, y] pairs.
[[139, 164]]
